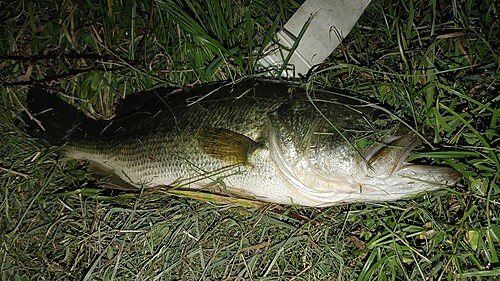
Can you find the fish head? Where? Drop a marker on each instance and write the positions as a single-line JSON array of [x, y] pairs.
[[385, 169], [321, 149]]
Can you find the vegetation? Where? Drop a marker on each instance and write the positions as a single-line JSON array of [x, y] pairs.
[[434, 61]]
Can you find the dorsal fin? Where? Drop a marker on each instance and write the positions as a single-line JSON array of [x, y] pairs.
[[137, 101]]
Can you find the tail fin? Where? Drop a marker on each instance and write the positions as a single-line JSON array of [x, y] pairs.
[[49, 117]]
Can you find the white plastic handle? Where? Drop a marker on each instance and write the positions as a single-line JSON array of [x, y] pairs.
[[331, 21]]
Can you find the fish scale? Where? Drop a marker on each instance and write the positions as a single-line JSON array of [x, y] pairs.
[[154, 158]]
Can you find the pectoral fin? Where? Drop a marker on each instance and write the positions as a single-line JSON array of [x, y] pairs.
[[226, 145]]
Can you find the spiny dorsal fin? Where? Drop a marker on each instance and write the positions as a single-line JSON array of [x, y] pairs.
[[226, 145]]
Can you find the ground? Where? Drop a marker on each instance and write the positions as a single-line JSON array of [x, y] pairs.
[[435, 62]]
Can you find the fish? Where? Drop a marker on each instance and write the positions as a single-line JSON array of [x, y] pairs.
[[257, 139]]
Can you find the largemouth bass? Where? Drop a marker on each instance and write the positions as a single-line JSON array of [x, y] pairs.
[[256, 139]]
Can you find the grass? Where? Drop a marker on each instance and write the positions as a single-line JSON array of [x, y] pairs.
[[435, 62]]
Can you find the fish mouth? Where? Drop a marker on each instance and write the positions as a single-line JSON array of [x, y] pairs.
[[387, 161]]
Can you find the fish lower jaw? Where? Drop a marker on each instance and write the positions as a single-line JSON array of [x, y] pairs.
[[396, 187], [320, 192]]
